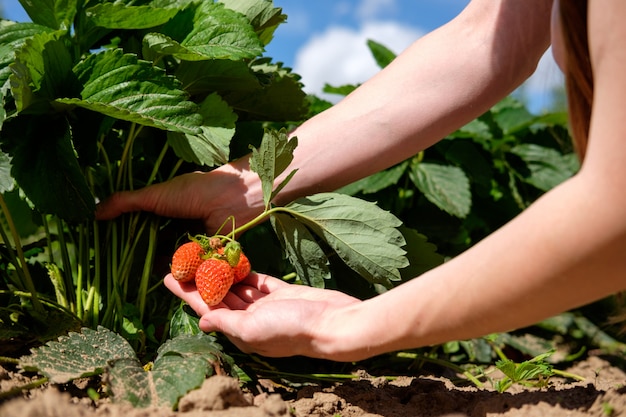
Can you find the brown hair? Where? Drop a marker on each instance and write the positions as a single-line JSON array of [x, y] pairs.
[[578, 71]]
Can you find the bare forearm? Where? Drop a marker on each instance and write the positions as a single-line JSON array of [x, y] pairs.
[[514, 278], [443, 81]]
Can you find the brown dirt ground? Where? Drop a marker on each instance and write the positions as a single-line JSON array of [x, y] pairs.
[[603, 393]]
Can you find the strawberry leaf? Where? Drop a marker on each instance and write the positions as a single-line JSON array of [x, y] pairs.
[[216, 33], [303, 252], [211, 146], [182, 364], [445, 186], [262, 15], [271, 159], [121, 86], [362, 234], [45, 146], [55, 14], [78, 355], [122, 16]]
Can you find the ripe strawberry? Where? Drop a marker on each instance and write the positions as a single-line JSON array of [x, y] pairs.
[[213, 280], [237, 258], [186, 261], [242, 270]]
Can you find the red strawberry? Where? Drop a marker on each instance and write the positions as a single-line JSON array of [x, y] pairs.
[[213, 280], [242, 266], [186, 261]]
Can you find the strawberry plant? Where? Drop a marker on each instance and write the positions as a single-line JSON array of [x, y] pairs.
[[99, 97]]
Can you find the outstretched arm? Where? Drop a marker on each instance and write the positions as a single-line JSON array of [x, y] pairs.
[[444, 80]]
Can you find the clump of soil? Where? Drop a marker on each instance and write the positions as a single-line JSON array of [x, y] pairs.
[[603, 393]]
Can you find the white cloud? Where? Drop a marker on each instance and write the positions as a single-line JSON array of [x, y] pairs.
[[371, 9], [340, 55]]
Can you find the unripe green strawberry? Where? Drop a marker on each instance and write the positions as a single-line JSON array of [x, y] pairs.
[[186, 261], [213, 280]]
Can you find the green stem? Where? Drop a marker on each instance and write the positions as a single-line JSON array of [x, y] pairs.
[[147, 268], [28, 280], [67, 268], [16, 390], [258, 219]]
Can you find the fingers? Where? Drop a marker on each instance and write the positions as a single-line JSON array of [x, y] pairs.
[[187, 292], [119, 203], [264, 283]]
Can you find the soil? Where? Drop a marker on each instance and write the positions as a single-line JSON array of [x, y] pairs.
[[603, 393]]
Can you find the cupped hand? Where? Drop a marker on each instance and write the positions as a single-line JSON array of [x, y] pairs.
[[208, 196], [268, 316]]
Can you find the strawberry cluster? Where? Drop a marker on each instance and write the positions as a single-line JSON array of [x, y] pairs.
[[213, 266]]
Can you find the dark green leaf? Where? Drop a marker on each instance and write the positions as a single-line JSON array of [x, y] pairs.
[[376, 182], [123, 16], [78, 354], [303, 252], [183, 322], [44, 64], [548, 167], [121, 86], [364, 236], [422, 255], [7, 183], [272, 158], [445, 186], [215, 33], [55, 14], [182, 364], [211, 146], [262, 14], [45, 167], [202, 77], [381, 53]]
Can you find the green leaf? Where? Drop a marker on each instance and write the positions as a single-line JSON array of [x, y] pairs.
[[78, 355], [362, 234], [381, 53], [121, 86], [45, 64], [216, 33], [184, 322], [263, 16], [122, 16], [445, 186], [303, 252], [7, 183], [280, 99], [55, 14], [548, 167], [202, 77], [182, 364], [271, 159], [12, 37], [46, 168], [376, 182], [211, 146], [422, 255]]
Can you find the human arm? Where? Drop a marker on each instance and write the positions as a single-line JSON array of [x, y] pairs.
[[443, 81], [564, 251]]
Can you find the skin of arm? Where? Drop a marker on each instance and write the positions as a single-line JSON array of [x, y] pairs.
[[441, 82]]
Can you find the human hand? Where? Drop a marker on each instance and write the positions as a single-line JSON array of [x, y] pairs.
[[208, 196], [268, 316]]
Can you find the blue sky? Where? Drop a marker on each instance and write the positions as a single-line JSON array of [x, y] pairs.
[[325, 40]]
